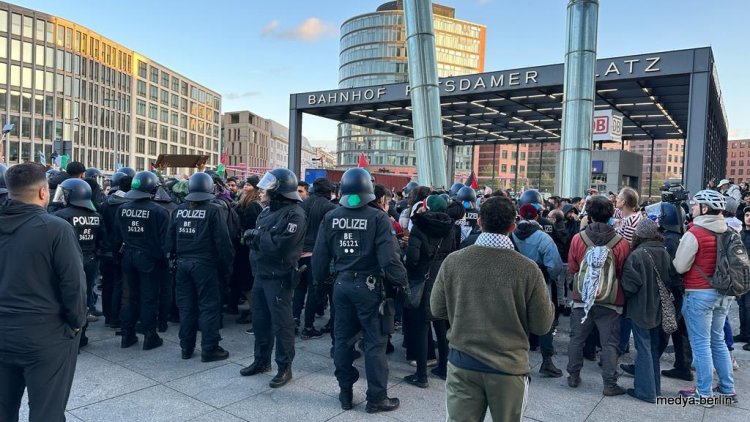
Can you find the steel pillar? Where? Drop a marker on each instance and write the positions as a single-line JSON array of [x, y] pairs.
[[574, 168], [295, 142], [425, 94]]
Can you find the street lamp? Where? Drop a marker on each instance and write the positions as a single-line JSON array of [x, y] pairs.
[[117, 128], [6, 142]]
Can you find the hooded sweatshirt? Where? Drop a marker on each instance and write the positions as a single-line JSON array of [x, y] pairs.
[[539, 247], [600, 234], [41, 267], [429, 230]]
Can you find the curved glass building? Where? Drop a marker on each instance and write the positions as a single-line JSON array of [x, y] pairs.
[[373, 52]]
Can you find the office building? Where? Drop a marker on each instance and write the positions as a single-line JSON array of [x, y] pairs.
[[738, 160], [107, 105], [373, 52]]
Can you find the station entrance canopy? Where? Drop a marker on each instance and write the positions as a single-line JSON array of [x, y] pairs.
[[667, 95]]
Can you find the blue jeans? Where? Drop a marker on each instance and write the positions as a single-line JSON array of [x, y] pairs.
[[647, 371], [705, 313]]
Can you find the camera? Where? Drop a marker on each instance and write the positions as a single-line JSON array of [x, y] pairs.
[[674, 192]]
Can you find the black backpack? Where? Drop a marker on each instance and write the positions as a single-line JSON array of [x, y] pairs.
[[732, 274]]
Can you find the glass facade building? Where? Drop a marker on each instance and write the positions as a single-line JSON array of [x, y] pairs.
[[373, 52], [108, 105]]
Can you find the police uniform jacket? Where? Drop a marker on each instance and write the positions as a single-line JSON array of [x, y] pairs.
[[315, 207], [87, 225], [41, 270], [201, 233], [359, 240], [142, 224], [108, 210], [277, 246]]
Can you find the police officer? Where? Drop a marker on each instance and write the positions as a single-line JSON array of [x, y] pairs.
[[275, 247], [453, 192], [360, 239], [199, 240], [93, 175], [110, 267], [3, 187], [79, 211], [468, 197], [141, 228]]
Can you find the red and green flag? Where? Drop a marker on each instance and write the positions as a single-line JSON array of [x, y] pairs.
[[363, 163], [472, 181]]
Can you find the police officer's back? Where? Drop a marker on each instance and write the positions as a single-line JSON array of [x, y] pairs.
[[141, 228], [360, 239], [199, 239], [79, 211]]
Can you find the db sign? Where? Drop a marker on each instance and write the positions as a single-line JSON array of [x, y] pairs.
[[607, 126]]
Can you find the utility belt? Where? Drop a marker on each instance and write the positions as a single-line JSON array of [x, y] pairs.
[[387, 306]]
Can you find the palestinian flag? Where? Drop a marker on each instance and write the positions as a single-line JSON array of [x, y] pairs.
[[472, 181], [363, 163]]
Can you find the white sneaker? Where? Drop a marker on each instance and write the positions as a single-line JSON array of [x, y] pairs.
[[735, 365], [430, 363]]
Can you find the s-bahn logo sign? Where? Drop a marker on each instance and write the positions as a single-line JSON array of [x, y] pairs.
[[542, 76]]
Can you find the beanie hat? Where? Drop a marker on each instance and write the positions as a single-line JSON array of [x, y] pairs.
[[253, 180], [646, 229], [528, 212], [568, 208], [436, 203]]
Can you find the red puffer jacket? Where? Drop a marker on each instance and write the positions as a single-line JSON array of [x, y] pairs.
[[705, 260]]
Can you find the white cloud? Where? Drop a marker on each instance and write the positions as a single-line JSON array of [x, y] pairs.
[[311, 29], [270, 28], [239, 95]]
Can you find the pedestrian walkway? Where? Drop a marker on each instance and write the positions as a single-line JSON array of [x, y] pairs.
[[113, 384]]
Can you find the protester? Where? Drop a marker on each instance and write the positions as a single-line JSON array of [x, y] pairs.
[[491, 310], [650, 305]]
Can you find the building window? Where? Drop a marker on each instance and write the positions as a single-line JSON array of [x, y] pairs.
[[140, 145], [142, 69], [142, 88], [503, 167], [153, 92], [164, 79], [154, 75], [141, 108]]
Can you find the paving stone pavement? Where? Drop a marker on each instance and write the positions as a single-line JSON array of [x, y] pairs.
[[113, 384]]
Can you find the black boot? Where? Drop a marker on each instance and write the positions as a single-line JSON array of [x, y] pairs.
[[187, 353], [385, 405], [217, 353], [255, 368], [416, 381], [282, 377], [677, 373], [346, 396], [152, 341], [128, 340], [548, 369]]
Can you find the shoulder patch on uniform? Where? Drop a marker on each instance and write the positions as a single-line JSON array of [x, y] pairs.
[[291, 228]]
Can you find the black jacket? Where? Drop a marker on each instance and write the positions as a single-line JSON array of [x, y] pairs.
[[88, 227], [315, 208], [639, 282], [430, 230], [41, 266], [360, 240], [108, 210], [201, 233], [249, 215], [276, 248], [142, 224]]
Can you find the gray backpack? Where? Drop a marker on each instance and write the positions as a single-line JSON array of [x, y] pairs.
[[732, 274]]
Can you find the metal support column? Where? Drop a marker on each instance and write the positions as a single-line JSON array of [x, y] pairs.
[[541, 155], [425, 94], [693, 169], [494, 161], [450, 174], [574, 164], [295, 141], [515, 180], [651, 169]]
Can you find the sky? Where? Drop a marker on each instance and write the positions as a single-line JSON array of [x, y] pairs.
[[257, 52]]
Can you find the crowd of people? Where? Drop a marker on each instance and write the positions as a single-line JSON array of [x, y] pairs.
[[474, 282]]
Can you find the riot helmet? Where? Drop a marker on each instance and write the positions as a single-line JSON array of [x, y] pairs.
[[409, 187], [531, 196], [92, 172], [280, 182], [466, 194], [3, 186], [127, 170], [75, 192], [201, 187], [356, 188], [454, 189], [143, 185], [114, 182]]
